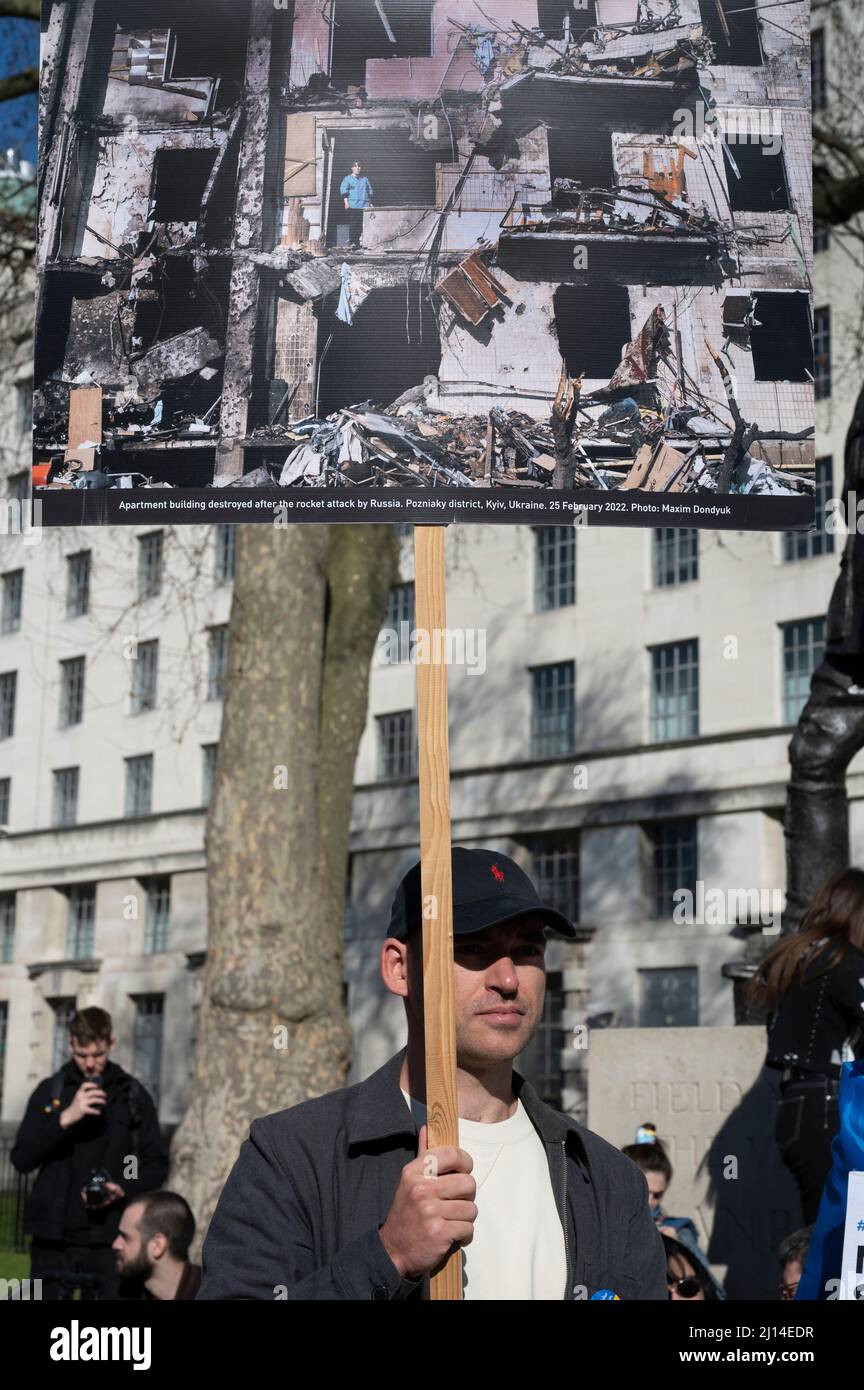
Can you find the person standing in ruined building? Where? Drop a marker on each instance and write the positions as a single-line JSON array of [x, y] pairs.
[[356, 191]]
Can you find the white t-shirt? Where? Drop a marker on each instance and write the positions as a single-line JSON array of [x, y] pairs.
[[518, 1247]]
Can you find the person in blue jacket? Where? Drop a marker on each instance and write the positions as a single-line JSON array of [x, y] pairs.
[[356, 191]]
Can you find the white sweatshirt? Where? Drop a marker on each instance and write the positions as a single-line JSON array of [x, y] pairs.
[[518, 1247]]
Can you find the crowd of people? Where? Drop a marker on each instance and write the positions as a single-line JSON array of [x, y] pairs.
[[689, 1274]]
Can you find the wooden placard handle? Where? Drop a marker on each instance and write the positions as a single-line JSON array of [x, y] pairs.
[[435, 868]]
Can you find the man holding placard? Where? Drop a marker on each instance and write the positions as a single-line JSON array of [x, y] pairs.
[[339, 1198]]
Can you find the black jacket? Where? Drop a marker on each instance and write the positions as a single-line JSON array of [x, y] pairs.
[[300, 1213], [65, 1156], [817, 1015]]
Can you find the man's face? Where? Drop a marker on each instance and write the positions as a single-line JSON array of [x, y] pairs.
[[130, 1253], [355, 169], [91, 1059], [499, 980]]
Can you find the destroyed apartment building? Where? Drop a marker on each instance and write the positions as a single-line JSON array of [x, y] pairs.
[[425, 242]]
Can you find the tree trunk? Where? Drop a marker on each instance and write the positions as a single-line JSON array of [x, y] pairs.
[[308, 605]]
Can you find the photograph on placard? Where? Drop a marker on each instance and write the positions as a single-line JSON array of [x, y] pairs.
[[542, 251]]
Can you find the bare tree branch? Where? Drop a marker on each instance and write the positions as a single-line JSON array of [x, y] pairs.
[[836, 200], [835, 141]]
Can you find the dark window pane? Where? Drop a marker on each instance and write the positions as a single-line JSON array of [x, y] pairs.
[[553, 709], [675, 691]]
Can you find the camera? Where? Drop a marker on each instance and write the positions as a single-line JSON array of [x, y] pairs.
[[94, 1188]]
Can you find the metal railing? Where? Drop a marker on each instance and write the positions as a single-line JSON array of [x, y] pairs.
[[14, 1190]]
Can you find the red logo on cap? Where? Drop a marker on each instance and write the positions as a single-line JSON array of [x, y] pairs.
[[496, 873]]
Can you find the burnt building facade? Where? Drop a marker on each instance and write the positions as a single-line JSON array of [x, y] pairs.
[[253, 217]]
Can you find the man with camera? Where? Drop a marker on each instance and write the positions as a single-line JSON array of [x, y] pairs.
[[92, 1132]]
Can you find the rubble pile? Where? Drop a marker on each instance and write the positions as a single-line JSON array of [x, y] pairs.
[[502, 57], [622, 210], [627, 434], [626, 446]]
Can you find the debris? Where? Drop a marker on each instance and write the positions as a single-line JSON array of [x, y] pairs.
[[639, 363], [256, 477], [667, 181], [417, 394], [659, 469], [315, 278], [739, 317], [472, 289], [85, 418], [173, 358], [385, 21]]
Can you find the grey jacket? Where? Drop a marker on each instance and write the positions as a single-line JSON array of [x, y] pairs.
[[300, 1213]]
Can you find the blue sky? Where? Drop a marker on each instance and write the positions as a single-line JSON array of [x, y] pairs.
[[19, 48]]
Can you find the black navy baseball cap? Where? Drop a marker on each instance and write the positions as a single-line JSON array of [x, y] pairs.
[[488, 890]]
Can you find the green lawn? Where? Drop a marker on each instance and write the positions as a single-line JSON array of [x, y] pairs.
[[13, 1265]]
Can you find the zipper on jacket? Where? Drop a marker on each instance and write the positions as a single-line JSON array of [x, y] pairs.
[[565, 1219]]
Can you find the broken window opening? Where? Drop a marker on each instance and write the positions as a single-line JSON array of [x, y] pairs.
[[734, 32], [588, 161], [59, 292], [184, 300], [209, 37], [762, 186], [179, 180], [593, 327], [364, 29], [270, 396], [552, 16], [398, 174], [192, 396], [781, 342], [392, 345]]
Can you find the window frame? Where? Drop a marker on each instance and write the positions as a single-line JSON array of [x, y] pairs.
[[659, 722], [543, 739], [134, 764], [399, 763], [62, 798]]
